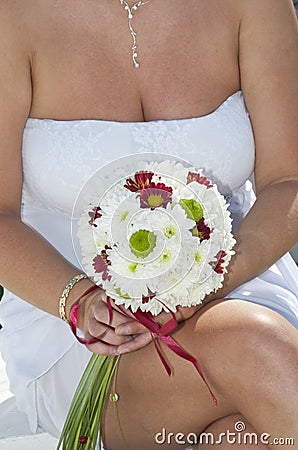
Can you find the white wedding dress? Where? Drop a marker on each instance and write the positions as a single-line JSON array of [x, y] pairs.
[[44, 361]]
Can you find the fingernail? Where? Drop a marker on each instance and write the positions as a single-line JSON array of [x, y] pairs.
[[122, 351], [115, 351], [119, 330]]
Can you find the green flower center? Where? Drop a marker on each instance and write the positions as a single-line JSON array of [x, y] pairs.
[[133, 267], [192, 208], [98, 242], [123, 216], [170, 231], [155, 200], [198, 258], [118, 291], [142, 243], [166, 256]]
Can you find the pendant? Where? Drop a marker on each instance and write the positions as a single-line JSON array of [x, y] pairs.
[[114, 397], [130, 15]]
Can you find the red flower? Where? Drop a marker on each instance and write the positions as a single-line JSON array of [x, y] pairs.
[[161, 186], [94, 214], [83, 440], [159, 195], [193, 176], [147, 298], [201, 230], [141, 181], [152, 195], [217, 266], [101, 264]]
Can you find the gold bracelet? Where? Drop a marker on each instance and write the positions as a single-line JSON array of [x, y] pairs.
[[65, 294]]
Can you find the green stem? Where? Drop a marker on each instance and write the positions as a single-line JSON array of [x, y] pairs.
[[86, 411]]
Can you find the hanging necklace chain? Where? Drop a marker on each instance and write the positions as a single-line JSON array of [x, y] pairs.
[[130, 15]]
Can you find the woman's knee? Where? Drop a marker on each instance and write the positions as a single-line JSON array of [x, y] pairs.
[[250, 357], [242, 342], [239, 322]]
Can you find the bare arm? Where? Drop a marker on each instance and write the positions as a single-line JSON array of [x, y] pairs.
[[269, 77], [268, 60], [29, 266]]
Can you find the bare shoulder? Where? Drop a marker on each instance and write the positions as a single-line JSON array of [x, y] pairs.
[[12, 11], [15, 40], [13, 24], [268, 60], [266, 17], [24, 18], [269, 26], [15, 94], [266, 8]]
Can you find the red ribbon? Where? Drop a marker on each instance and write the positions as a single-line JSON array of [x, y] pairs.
[[158, 332], [162, 334], [74, 317]]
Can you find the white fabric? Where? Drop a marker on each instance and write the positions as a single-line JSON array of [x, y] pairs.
[[34, 442], [12, 421], [58, 157], [4, 383]]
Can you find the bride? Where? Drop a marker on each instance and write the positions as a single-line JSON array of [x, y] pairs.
[[85, 83]]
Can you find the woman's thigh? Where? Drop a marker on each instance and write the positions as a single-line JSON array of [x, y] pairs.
[[231, 433], [227, 337]]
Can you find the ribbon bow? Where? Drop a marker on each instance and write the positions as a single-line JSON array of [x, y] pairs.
[[158, 332]]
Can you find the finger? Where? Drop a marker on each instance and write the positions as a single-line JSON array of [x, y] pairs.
[[125, 311], [101, 313], [179, 314], [103, 349], [137, 328], [101, 296], [130, 328], [185, 312], [105, 334], [137, 343], [164, 317]]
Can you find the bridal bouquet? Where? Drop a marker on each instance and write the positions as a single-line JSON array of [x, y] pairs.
[[158, 238]]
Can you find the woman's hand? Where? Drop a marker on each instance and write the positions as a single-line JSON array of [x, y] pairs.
[[122, 335], [139, 333], [94, 321]]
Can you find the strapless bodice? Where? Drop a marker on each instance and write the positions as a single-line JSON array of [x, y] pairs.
[[59, 156]]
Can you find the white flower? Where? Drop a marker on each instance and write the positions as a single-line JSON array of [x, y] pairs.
[[85, 235], [170, 170], [100, 238], [155, 262], [130, 275]]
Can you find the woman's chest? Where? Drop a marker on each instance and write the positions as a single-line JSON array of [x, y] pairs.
[[83, 65]]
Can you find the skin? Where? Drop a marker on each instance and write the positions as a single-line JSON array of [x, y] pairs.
[[248, 45]]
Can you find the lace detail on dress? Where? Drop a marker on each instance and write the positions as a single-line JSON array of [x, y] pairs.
[[57, 160], [220, 143], [162, 137], [59, 156]]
